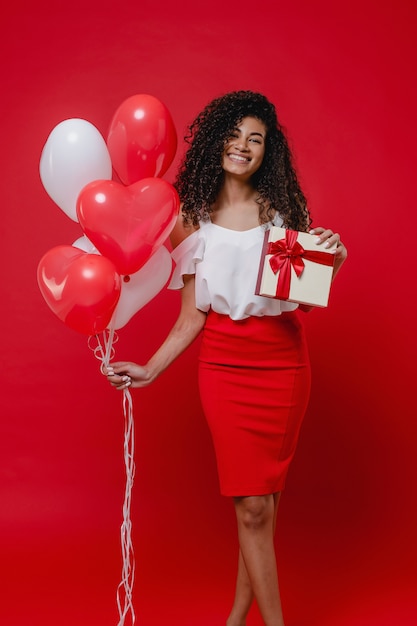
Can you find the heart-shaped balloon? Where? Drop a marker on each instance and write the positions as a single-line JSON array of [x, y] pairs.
[[81, 289], [128, 224], [142, 139], [142, 287]]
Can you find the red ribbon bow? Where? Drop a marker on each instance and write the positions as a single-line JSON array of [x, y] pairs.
[[289, 252]]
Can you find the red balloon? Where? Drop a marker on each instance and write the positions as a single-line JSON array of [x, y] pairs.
[[128, 224], [81, 289], [142, 139]]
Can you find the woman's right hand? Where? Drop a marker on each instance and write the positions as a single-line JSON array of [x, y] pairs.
[[124, 374]]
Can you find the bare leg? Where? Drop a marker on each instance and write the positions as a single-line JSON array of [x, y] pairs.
[[243, 596], [244, 591]]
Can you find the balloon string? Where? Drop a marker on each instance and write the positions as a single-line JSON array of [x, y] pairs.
[[104, 348], [104, 352], [128, 570]]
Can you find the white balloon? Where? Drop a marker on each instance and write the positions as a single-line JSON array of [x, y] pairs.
[[83, 243], [74, 155], [142, 287]]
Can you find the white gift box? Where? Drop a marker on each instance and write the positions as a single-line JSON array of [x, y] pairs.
[[294, 268]]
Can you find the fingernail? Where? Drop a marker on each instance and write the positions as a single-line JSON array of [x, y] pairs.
[[317, 240], [125, 378], [327, 244]]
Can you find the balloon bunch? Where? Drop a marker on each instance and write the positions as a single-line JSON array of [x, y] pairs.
[[119, 263]]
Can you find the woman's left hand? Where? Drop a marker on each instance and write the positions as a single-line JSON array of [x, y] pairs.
[[327, 237]]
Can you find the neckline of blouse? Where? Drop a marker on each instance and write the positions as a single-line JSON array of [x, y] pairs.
[[233, 230]]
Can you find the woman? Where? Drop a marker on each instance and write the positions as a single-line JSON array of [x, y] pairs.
[[236, 180]]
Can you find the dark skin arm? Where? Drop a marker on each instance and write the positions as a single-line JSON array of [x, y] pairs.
[[190, 321]]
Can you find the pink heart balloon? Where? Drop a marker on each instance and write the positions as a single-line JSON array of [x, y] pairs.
[[128, 224], [81, 289]]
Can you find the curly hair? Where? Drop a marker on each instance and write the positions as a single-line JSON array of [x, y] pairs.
[[200, 176]]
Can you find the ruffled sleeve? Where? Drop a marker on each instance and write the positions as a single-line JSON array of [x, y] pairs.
[[186, 256]]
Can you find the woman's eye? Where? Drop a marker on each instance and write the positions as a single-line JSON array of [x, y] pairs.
[[255, 140]]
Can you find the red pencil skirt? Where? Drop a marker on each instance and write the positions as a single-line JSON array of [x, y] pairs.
[[254, 379]]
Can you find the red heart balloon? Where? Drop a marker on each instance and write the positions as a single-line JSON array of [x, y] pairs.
[[128, 224], [142, 139], [81, 289]]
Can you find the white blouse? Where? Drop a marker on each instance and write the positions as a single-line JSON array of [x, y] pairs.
[[226, 264]]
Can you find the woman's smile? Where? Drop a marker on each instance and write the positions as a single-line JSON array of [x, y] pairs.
[[237, 158]]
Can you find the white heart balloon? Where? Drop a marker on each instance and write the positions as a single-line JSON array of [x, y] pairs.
[[142, 287], [83, 243], [74, 155]]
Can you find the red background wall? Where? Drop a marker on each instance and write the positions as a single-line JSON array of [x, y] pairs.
[[342, 78]]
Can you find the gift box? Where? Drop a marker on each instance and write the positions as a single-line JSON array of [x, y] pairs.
[[294, 268]]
